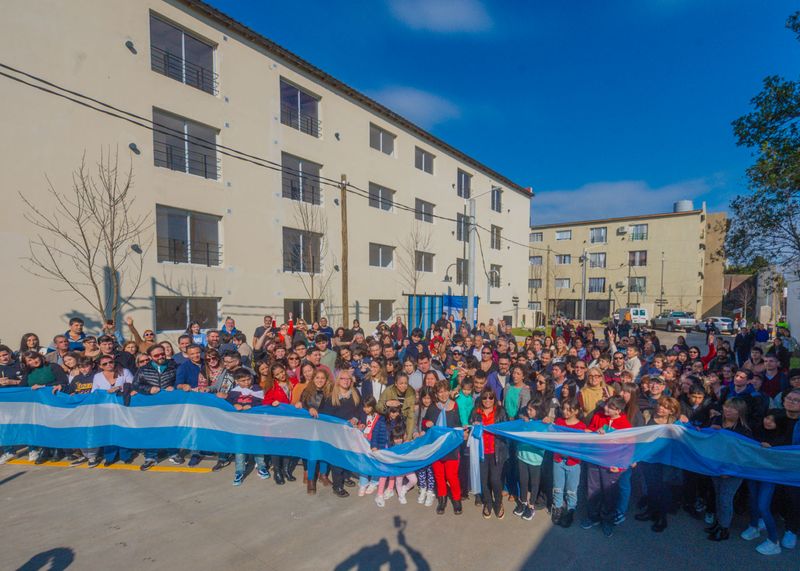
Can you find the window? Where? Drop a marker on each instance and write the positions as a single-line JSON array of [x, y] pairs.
[[598, 235], [562, 283], [496, 237], [380, 309], [300, 179], [563, 259], [637, 285], [423, 261], [563, 234], [187, 237], [423, 210], [637, 258], [495, 275], [497, 199], [380, 255], [461, 271], [183, 145], [535, 283], [299, 110], [423, 160], [380, 197], [175, 313], [639, 232], [381, 139], [535, 260], [300, 308], [535, 305], [536, 236], [182, 57], [597, 260], [464, 184], [597, 285], [301, 251], [462, 233]]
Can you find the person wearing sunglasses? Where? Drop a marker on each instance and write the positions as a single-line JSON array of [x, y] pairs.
[[144, 341], [158, 375], [495, 453], [112, 378]]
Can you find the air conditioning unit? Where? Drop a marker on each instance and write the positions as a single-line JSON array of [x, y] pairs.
[[620, 285], [622, 230]]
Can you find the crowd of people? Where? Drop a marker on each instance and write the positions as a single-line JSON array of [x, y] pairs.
[[395, 384]]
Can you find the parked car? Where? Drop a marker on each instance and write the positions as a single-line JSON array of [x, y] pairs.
[[672, 320], [636, 315], [724, 324]]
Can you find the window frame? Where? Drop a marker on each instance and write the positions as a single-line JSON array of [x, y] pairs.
[[379, 307], [495, 279], [534, 283], [463, 184], [188, 310], [288, 189], [207, 84], [380, 250], [535, 260], [639, 236], [462, 271], [420, 158], [181, 156], [637, 280], [379, 201], [303, 236], [594, 263], [496, 199], [539, 237], [381, 132], [189, 254], [637, 258], [568, 281], [292, 115], [423, 257], [604, 232], [602, 280], [496, 237], [462, 227], [420, 212], [563, 259]]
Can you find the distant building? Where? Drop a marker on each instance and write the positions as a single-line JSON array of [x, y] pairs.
[[663, 262]]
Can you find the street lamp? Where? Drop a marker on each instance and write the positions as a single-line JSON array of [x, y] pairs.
[[447, 279]]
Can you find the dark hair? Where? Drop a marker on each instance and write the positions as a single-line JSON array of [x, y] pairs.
[[106, 339], [235, 355], [152, 348], [184, 336], [241, 373], [321, 338], [5, 349], [74, 320], [240, 337], [23, 344], [398, 432], [617, 403], [370, 402], [480, 374]]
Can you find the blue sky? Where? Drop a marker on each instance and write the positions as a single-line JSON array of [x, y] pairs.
[[605, 108]]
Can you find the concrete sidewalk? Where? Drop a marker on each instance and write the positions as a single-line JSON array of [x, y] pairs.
[[120, 519]]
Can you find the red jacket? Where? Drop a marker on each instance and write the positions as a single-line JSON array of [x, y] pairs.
[[276, 393], [600, 420], [577, 426]]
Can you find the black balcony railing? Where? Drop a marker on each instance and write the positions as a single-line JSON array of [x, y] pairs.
[[301, 189], [182, 70], [178, 158], [183, 252], [305, 123]]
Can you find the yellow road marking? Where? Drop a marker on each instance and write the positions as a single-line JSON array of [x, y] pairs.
[[117, 466]]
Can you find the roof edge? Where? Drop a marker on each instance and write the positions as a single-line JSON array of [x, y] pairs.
[[620, 219]]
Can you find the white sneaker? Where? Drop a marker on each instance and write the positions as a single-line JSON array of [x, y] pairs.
[[429, 500], [769, 548], [423, 495], [33, 455], [388, 494], [789, 540], [371, 488], [6, 457], [750, 533], [361, 491], [401, 497], [380, 501]]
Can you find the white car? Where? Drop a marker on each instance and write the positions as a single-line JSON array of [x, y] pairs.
[[723, 324]]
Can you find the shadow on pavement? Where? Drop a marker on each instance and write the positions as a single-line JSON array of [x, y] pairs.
[[11, 477], [55, 559], [379, 555]]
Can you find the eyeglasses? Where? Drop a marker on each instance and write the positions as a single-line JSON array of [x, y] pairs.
[[149, 334], [595, 375], [791, 399], [485, 353], [106, 363], [488, 397], [293, 358], [157, 355]]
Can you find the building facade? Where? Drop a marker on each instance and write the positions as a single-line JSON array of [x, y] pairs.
[[237, 150], [661, 262]]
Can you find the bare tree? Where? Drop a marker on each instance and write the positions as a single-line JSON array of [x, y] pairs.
[[744, 295], [308, 259], [412, 264], [88, 238]]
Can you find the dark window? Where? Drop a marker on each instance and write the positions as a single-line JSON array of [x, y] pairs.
[[381, 255], [497, 199], [187, 237], [175, 313], [423, 261], [464, 184], [381, 139], [495, 275], [300, 308], [597, 285], [461, 271], [182, 57], [301, 251], [637, 258], [380, 309], [534, 283], [299, 110], [300, 179], [183, 145], [462, 234], [423, 210], [496, 237], [380, 197], [423, 160]]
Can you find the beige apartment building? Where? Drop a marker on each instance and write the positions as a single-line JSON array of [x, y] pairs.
[[662, 262], [227, 238]]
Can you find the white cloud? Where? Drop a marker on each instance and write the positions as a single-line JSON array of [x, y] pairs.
[[442, 15], [612, 199], [423, 108]]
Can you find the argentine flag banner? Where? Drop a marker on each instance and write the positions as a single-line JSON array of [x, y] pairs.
[[199, 421]]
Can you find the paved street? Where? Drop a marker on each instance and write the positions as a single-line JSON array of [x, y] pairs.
[[125, 519]]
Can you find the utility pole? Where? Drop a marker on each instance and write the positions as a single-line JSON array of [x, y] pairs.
[[472, 234], [464, 237], [629, 282], [547, 287], [345, 268], [583, 286], [661, 300]]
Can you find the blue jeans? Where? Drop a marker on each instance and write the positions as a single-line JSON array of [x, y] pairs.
[[760, 506], [565, 484], [110, 452], [241, 462], [624, 491], [364, 481], [725, 488], [153, 454]]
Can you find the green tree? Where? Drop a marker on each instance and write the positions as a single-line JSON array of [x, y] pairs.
[[766, 221]]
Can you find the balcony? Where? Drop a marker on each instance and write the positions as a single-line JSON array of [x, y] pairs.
[[307, 124], [183, 252], [182, 70], [178, 158], [301, 190]]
